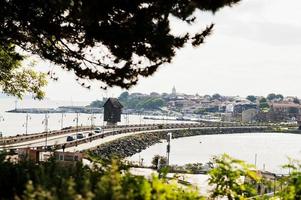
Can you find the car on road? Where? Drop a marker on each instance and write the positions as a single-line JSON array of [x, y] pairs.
[[80, 136], [66, 128], [70, 138], [49, 148], [98, 130], [90, 134]]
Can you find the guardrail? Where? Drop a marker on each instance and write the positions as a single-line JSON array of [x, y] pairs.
[[33, 136], [23, 138], [136, 129], [55, 133]]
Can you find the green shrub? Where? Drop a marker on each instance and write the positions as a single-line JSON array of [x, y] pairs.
[[50, 180], [226, 178]]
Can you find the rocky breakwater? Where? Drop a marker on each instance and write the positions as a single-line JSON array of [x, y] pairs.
[[127, 146], [130, 145]]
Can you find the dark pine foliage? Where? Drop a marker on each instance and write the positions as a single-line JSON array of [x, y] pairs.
[[50, 175], [113, 41]]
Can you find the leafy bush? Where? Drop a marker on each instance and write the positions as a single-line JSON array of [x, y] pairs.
[[230, 178], [227, 178], [159, 161], [50, 180]]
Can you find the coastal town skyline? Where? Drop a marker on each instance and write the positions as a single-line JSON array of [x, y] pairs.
[[161, 100], [105, 95]]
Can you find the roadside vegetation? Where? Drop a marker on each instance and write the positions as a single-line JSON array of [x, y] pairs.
[[230, 179], [51, 180]]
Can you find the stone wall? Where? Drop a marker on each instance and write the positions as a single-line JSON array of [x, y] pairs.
[[130, 145]]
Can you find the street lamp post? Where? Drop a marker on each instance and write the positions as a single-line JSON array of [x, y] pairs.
[[27, 118], [169, 137], [140, 118], [45, 122], [76, 120], [127, 122], [62, 120], [125, 117], [92, 117], [1, 134]]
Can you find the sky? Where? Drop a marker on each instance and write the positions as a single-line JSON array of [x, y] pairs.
[[254, 49]]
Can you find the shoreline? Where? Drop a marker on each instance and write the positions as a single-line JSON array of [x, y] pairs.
[[129, 145]]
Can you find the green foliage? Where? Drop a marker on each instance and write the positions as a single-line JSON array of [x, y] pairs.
[[109, 186], [114, 42], [162, 190], [17, 80], [114, 185], [53, 181], [230, 178], [35, 193], [151, 103], [273, 96], [279, 97], [123, 96], [290, 186], [159, 161], [263, 104], [263, 100], [227, 176], [190, 168], [252, 98], [194, 167], [45, 178], [97, 104], [141, 102], [216, 96]]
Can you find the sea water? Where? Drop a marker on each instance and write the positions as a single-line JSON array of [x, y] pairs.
[[268, 151]]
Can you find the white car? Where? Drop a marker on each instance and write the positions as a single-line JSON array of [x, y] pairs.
[[97, 130]]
